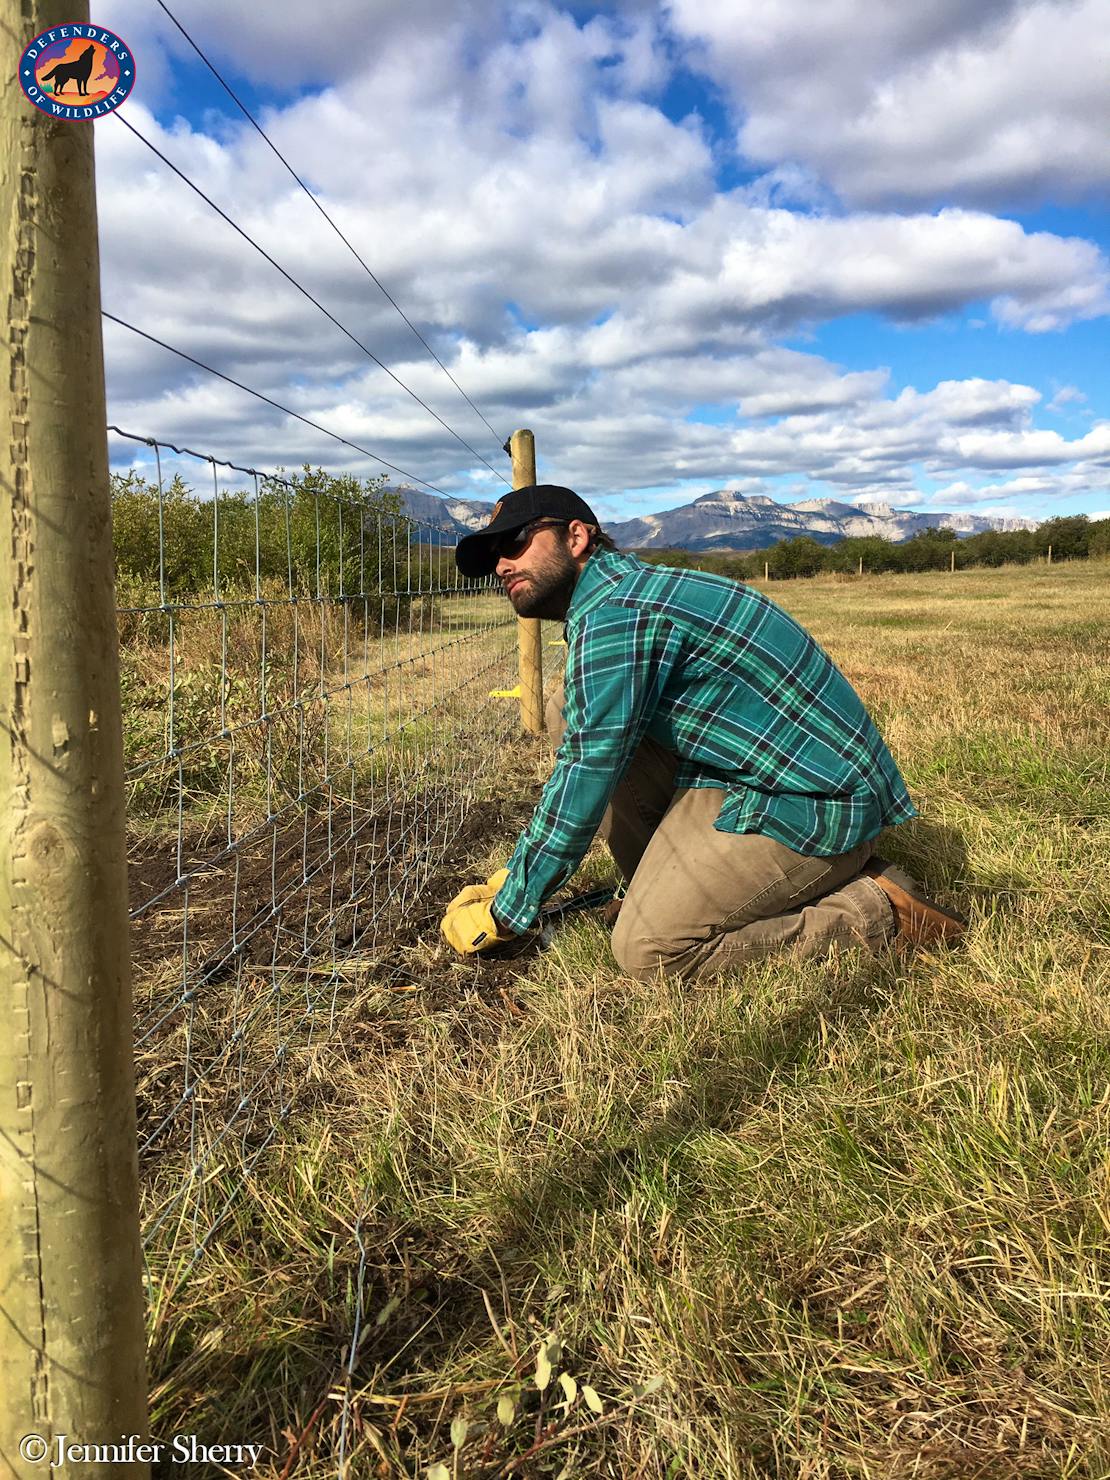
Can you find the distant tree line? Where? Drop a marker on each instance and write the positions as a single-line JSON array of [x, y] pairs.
[[326, 534], [1073, 537]]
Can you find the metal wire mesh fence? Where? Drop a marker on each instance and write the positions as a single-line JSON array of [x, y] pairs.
[[307, 726]]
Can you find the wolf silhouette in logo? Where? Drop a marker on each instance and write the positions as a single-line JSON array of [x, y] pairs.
[[78, 71]]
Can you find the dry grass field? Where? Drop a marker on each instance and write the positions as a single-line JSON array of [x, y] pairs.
[[836, 1221]]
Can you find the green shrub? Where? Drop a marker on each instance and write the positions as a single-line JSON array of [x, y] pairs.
[[319, 534]]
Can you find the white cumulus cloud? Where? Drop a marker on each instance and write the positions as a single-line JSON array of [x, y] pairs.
[[985, 101]]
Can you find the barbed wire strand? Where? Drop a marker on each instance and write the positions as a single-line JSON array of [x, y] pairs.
[[317, 203], [289, 278], [238, 384]]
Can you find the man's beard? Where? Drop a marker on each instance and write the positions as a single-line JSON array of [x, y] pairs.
[[547, 590]]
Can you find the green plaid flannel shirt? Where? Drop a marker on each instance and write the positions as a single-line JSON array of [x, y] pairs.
[[729, 683]]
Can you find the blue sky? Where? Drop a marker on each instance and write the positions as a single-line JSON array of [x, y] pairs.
[[858, 252]]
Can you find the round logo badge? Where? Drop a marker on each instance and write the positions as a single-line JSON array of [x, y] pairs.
[[77, 71]]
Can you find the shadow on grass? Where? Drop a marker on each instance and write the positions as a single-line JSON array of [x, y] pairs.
[[935, 855], [721, 1091]]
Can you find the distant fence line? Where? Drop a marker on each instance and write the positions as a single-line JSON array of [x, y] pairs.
[[1074, 537]]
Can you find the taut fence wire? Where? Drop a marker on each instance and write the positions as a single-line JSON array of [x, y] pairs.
[[306, 732]]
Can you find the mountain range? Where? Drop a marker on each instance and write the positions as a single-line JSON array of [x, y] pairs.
[[725, 520]]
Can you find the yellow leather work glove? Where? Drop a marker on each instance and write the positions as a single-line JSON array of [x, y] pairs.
[[471, 927], [475, 892]]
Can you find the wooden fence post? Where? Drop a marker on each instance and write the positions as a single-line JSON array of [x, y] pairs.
[[72, 1349], [522, 447]]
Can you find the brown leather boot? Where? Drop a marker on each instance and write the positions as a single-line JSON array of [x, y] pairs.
[[919, 920]]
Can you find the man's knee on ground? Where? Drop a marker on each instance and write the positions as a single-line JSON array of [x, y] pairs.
[[641, 956]]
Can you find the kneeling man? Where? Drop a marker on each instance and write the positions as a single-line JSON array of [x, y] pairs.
[[728, 763]]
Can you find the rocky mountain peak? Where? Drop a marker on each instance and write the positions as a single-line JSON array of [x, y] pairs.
[[726, 520]]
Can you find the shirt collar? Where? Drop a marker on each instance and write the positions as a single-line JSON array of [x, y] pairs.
[[604, 570]]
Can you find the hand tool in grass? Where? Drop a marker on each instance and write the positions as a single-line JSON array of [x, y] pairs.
[[592, 899], [543, 933], [470, 928]]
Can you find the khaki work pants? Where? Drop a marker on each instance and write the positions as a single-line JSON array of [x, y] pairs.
[[701, 901]]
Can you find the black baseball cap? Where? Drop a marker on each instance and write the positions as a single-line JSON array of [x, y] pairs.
[[475, 555]]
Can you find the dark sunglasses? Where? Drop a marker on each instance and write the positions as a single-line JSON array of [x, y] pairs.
[[505, 546]]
